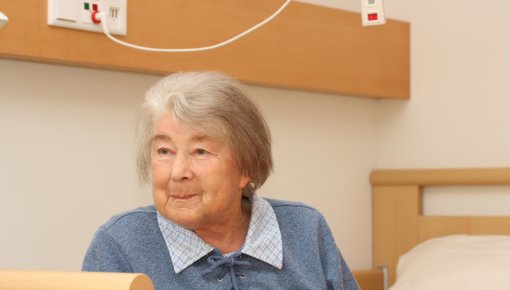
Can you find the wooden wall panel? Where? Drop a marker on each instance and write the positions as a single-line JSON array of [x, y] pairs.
[[307, 47]]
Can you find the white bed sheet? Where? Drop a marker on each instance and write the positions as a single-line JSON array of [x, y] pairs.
[[457, 262]]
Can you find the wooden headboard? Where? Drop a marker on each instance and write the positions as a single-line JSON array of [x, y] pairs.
[[398, 222]]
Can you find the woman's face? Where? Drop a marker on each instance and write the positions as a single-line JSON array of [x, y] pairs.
[[196, 182]]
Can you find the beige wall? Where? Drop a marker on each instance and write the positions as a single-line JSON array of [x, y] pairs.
[[67, 159], [458, 114], [460, 69]]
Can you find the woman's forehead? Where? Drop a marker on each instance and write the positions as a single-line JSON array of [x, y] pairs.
[[193, 138], [203, 129]]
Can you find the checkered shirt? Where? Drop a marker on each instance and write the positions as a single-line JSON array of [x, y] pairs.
[[263, 242]]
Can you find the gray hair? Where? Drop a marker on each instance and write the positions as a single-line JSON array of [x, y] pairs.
[[216, 103]]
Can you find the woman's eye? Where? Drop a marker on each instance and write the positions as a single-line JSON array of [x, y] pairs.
[[163, 151], [201, 151]]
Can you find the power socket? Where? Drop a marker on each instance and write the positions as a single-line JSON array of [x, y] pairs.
[[372, 12], [3, 19], [77, 14]]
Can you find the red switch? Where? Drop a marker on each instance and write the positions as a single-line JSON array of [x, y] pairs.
[[372, 17], [94, 7]]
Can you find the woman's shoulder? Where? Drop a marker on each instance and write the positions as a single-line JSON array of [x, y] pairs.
[[296, 219], [126, 241], [283, 208], [135, 219], [288, 205]]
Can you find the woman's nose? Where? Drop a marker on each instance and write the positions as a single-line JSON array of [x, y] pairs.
[[181, 170]]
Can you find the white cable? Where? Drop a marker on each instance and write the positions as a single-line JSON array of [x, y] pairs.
[[106, 31]]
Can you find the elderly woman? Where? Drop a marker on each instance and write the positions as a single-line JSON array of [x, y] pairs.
[[206, 149]]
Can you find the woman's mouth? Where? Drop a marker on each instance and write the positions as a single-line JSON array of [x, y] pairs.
[[182, 196]]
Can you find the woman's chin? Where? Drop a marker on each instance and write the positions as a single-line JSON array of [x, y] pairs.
[[185, 217]]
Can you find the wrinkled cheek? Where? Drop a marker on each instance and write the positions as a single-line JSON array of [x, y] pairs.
[[160, 178], [160, 198], [159, 191]]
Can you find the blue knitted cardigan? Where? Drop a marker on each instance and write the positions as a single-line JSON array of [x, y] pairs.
[[132, 242]]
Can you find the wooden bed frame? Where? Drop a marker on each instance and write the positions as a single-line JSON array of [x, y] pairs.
[[370, 279], [398, 222]]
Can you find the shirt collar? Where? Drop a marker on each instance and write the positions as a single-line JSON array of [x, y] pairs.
[[263, 241]]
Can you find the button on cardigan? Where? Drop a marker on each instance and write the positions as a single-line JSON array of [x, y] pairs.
[[133, 242]]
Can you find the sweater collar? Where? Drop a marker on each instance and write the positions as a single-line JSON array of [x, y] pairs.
[[263, 241]]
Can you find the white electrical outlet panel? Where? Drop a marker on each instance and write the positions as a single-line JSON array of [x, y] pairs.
[[77, 14], [372, 12]]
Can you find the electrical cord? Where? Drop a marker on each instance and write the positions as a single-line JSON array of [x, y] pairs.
[[101, 16]]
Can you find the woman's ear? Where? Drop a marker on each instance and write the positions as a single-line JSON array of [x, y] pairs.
[[243, 181]]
